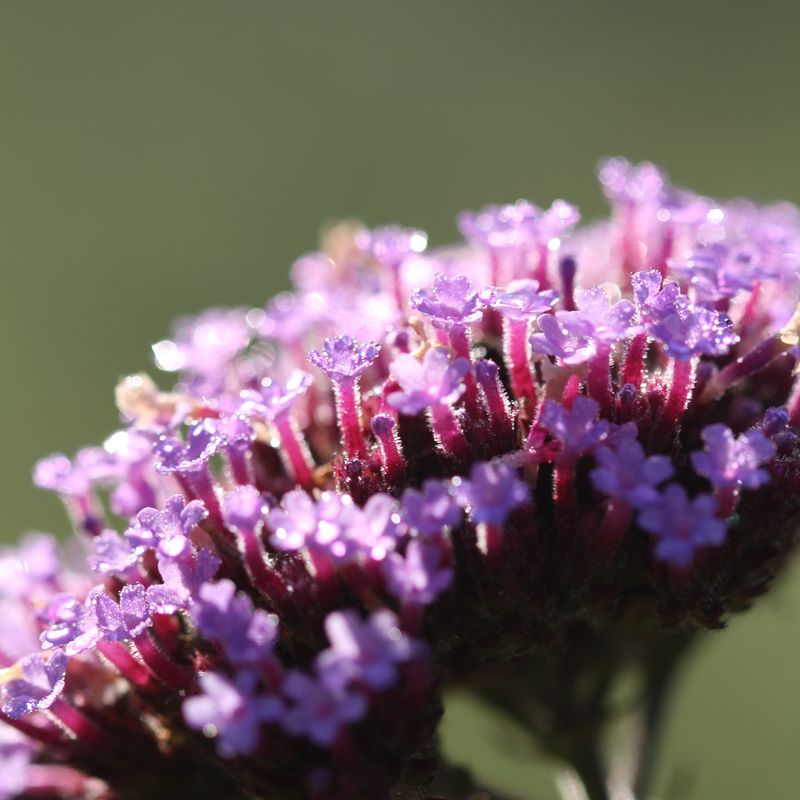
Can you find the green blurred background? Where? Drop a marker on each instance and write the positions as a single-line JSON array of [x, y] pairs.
[[160, 157]]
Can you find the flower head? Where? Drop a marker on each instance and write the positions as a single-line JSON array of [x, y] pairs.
[[308, 563]]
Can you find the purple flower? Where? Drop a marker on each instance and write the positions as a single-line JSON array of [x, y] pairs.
[[578, 429], [450, 303], [203, 440], [433, 381], [625, 472], [521, 299], [556, 220], [683, 329], [301, 521], [91, 466], [729, 461], [111, 554], [500, 227], [392, 244], [40, 682], [244, 509], [420, 575], [231, 711], [430, 510], [576, 336], [627, 183], [492, 492], [319, 708], [206, 344], [34, 561], [246, 634], [681, 525], [274, 398], [344, 358], [120, 621], [373, 531], [167, 531], [70, 626], [16, 754], [363, 651], [182, 576], [717, 271], [335, 525]]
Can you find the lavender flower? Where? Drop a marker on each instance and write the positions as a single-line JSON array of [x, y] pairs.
[[434, 381], [320, 709], [450, 303], [420, 575], [576, 336], [623, 471], [344, 358], [729, 461], [522, 299], [683, 329], [578, 429], [168, 530], [492, 492], [246, 635], [392, 244], [364, 652], [431, 509], [40, 682], [232, 712], [500, 226], [682, 526]]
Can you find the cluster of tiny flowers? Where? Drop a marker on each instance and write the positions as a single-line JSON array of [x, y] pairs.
[[415, 466]]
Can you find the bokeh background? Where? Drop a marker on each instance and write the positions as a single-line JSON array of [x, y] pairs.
[[160, 157]]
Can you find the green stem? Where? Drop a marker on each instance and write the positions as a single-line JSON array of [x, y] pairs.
[[660, 675]]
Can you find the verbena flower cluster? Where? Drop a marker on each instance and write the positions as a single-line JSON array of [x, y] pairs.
[[413, 469]]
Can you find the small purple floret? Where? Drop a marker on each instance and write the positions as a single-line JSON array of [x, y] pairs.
[[40, 683], [576, 336], [232, 712], [319, 708], [729, 462], [167, 531], [578, 429], [420, 575], [682, 526], [434, 381], [492, 492], [363, 651], [431, 509], [623, 471], [344, 358], [521, 300], [449, 303]]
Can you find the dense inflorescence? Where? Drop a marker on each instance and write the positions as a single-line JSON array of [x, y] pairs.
[[538, 455]]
